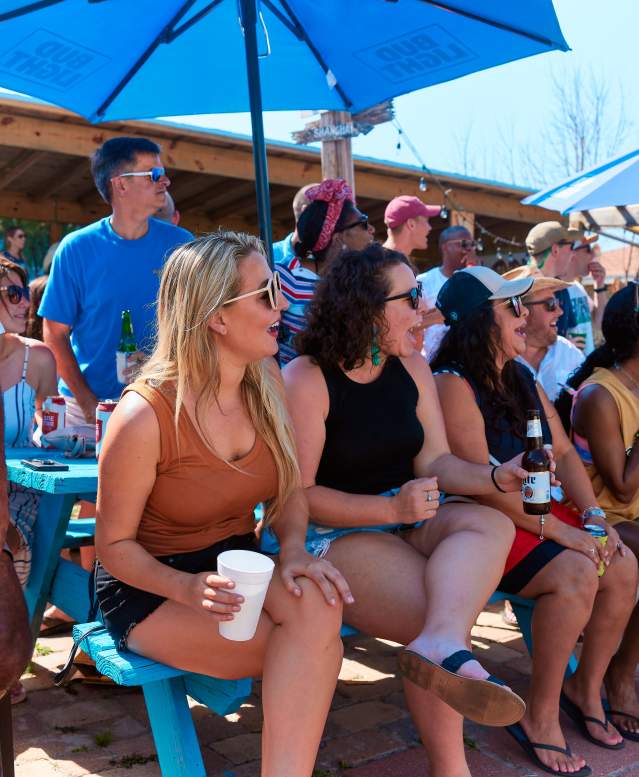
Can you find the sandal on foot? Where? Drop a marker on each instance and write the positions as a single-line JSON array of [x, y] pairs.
[[520, 736], [488, 701], [579, 719], [632, 736], [18, 693]]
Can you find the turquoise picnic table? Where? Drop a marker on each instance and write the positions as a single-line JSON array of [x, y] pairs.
[[52, 578]]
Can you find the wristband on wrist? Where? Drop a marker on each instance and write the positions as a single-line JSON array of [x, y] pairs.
[[601, 289], [592, 512], [494, 479]]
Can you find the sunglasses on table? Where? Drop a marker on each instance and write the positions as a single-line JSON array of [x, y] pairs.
[[413, 295], [16, 293], [361, 222], [272, 289], [155, 173], [550, 304]]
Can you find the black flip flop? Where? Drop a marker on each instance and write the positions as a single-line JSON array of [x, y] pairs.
[[520, 736], [580, 720], [632, 736], [489, 702]]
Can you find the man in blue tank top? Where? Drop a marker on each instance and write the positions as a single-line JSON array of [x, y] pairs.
[[107, 267]]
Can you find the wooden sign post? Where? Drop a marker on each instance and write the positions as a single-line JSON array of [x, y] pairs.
[[337, 153]]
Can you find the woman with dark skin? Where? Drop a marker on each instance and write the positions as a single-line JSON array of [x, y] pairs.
[[373, 455], [605, 430], [485, 394]]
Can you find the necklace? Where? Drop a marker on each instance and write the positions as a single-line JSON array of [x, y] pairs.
[[627, 374]]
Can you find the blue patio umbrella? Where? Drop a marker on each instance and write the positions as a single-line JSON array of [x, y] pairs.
[[613, 183], [135, 59]]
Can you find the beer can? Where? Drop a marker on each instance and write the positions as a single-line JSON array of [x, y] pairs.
[[103, 413], [54, 415], [600, 533]]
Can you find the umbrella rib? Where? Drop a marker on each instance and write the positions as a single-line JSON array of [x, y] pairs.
[[286, 22], [314, 51], [38, 6], [499, 25], [193, 20], [160, 38]]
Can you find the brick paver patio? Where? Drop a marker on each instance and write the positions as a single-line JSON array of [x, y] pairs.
[[96, 730]]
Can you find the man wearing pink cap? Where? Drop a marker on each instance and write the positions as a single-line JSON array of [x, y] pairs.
[[407, 222]]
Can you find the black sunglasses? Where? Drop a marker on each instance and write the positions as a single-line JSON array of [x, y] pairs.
[[550, 304], [16, 293], [413, 295], [361, 222], [515, 304]]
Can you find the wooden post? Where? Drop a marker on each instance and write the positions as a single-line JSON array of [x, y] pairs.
[[463, 218], [337, 155]]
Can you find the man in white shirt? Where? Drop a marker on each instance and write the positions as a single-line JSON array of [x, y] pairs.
[[457, 249], [549, 356]]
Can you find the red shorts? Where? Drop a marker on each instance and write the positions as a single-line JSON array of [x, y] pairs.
[[526, 541]]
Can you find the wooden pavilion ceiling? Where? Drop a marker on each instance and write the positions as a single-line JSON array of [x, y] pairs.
[[44, 175]]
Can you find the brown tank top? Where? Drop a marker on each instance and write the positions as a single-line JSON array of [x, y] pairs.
[[199, 499]]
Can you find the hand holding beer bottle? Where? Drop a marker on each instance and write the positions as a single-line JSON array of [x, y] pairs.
[[535, 488], [127, 358]]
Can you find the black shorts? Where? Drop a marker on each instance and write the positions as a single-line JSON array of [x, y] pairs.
[[521, 574], [122, 606]]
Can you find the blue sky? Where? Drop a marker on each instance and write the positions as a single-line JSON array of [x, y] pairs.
[[515, 99]]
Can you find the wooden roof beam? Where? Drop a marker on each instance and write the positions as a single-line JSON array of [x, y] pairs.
[[19, 165], [74, 169]]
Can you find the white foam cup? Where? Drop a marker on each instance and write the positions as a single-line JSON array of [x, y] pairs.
[[251, 572]]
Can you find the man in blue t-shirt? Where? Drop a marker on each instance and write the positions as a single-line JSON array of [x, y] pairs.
[[105, 268]]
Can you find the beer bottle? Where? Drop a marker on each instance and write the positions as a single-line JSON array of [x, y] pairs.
[[126, 347], [535, 489]]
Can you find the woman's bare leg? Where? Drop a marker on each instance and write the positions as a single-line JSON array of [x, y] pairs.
[[620, 677], [612, 608], [296, 649], [564, 590], [466, 546]]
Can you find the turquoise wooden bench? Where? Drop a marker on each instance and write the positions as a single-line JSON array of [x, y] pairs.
[[165, 690], [80, 532]]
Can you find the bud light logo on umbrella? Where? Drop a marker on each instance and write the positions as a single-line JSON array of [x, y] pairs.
[[421, 51], [51, 60]]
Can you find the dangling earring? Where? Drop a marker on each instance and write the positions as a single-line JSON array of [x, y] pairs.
[[375, 351]]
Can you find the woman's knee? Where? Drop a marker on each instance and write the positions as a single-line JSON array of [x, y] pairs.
[[576, 577], [310, 611], [623, 572], [493, 523]]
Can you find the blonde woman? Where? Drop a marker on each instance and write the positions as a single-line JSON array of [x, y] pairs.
[[195, 443]]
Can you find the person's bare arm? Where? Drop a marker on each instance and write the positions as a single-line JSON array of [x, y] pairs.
[[57, 336], [467, 438], [597, 419], [15, 636], [44, 373]]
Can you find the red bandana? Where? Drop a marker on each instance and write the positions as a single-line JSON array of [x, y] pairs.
[[334, 191]]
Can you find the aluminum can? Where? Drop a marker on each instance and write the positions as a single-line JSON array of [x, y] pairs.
[[600, 533], [103, 413], [54, 415]]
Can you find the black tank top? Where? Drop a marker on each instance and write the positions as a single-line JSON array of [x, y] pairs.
[[372, 431]]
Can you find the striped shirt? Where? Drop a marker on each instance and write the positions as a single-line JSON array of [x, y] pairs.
[[298, 286]]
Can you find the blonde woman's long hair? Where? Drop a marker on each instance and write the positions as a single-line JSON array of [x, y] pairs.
[[196, 280]]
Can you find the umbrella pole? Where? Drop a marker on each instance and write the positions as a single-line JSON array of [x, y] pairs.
[[249, 22]]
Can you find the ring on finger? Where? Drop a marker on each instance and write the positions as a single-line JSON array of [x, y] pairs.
[[429, 496]]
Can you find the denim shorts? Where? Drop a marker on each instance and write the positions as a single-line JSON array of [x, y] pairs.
[[123, 606], [319, 538]]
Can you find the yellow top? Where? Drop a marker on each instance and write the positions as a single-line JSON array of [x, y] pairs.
[[628, 409]]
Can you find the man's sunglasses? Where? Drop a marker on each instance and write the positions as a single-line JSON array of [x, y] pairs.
[[362, 222], [16, 293], [273, 289], [413, 295], [155, 173], [466, 245], [550, 304]]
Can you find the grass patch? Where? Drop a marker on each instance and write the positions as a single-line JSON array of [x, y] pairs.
[[81, 749], [66, 729], [42, 650], [135, 759], [470, 743], [103, 739], [322, 773]]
